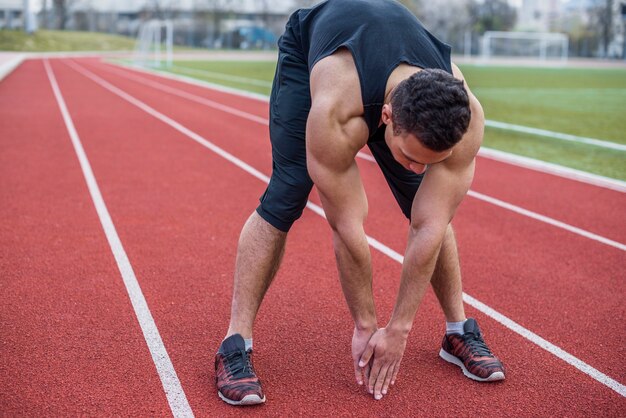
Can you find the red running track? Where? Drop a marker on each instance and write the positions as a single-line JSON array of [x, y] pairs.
[[71, 344], [519, 269]]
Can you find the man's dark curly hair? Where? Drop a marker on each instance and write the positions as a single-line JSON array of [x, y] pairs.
[[433, 106]]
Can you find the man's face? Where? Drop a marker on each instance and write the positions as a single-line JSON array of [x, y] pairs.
[[408, 150]]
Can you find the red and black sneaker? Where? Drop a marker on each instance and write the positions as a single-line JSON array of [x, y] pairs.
[[470, 353], [237, 384]]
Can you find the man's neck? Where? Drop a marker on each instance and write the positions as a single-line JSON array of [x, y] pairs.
[[399, 74]]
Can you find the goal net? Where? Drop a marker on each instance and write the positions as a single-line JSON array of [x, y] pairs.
[[537, 45], [154, 44]]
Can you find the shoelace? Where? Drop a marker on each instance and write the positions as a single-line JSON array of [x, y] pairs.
[[238, 364], [477, 345]]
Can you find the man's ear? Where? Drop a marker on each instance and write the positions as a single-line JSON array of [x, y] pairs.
[[386, 114]]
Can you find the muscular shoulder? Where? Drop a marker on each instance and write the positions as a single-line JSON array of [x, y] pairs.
[[465, 151], [336, 93]]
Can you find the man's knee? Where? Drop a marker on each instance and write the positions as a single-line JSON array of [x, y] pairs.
[[282, 205], [282, 221]]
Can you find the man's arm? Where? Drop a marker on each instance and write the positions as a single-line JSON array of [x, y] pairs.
[[331, 148], [444, 187], [331, 165], [442, 190], [335, 133]]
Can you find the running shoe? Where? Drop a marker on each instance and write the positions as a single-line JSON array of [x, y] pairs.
[[471, 354], [236, 381]]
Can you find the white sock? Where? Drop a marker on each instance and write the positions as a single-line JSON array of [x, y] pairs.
[[454, 327], [248, 342]]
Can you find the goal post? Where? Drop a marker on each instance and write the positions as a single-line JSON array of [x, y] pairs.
[[149, 44], [539, 45]]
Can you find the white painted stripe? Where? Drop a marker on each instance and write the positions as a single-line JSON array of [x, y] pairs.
[[554, 169], [182, 129], [173, 389], [555, 135], [505, 321], [546, 345], [489, 123], [189, 96], [8, 66], [193, 81], [368, 157], [547, 220], [529, 163], [222, 76], [365, 156]]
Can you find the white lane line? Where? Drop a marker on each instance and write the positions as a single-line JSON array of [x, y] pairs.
[[192, 97], [169, 379], [554, 169], [556, 135], [263, 98], [11, 64], [547, 220], [222, 76], [546, 345], [480, 196], [505, 321], [513, 159], [367, 157], [489, 123]]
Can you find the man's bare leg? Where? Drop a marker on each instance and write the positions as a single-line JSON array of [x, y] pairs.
[[259, 253], [446, 280], [461, 349]]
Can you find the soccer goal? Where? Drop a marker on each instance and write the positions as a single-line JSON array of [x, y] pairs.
[[149, 46], [539, 45]]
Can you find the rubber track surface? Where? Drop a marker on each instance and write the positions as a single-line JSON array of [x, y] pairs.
[[71, 344], [570, 267]]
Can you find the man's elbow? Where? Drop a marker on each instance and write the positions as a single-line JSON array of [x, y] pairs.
[[478, 114]]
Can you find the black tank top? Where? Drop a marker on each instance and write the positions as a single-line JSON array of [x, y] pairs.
[[380, 34]]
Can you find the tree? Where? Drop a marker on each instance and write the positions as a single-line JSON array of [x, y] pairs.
[[496, 15], [601, 23], [61, 13], [448, 20]]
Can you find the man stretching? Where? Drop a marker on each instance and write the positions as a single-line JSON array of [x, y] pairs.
[[353, 73]]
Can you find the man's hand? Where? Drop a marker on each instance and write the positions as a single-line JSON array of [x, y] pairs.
[[385, 348], [360, 338]]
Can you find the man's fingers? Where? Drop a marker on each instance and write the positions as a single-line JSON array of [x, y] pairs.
[[374, 372], [387, 381], [358, 373], [396, 369], [371, 381], [380, 381], [367, 355], [367, 370]]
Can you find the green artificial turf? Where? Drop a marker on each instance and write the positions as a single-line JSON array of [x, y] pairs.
[[262, 71], [583, 102]]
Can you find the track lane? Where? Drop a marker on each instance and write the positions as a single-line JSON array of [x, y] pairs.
[[70, 343], [512, 286], [171, 384], [250, 105], [516, 185], [292, 313]]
